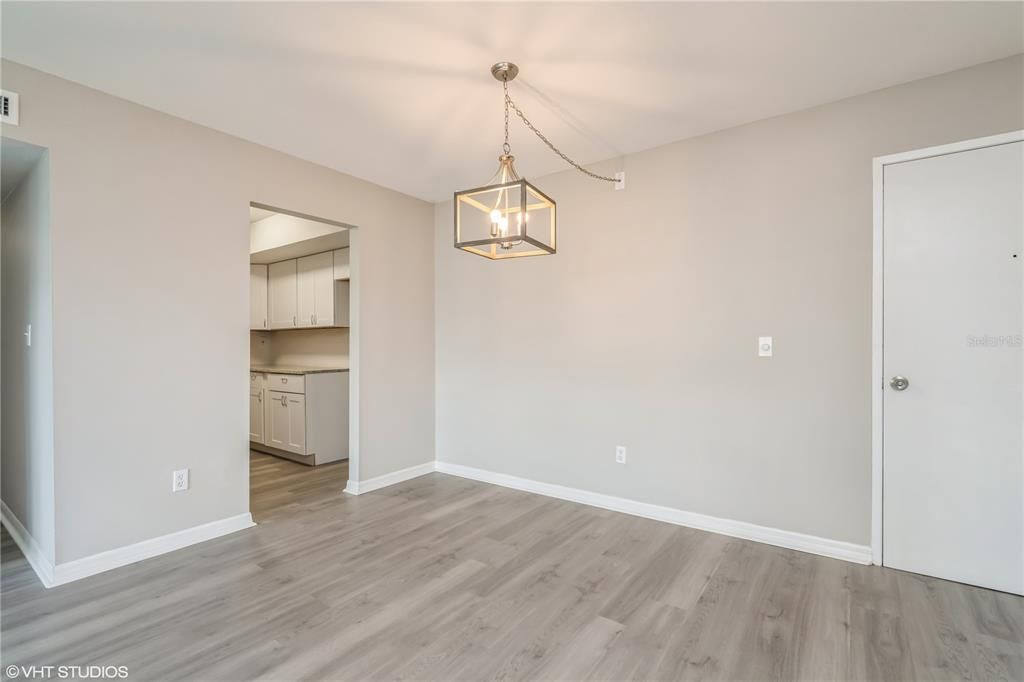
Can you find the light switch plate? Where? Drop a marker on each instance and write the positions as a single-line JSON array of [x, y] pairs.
[[765, 346]]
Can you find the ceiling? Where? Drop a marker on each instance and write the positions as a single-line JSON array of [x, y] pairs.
[[259, 214], [401, 94]]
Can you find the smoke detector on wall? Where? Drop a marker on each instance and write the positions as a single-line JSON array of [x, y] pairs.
[[9, 107]]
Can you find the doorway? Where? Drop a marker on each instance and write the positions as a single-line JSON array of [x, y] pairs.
[[949, 362], [301, 386]]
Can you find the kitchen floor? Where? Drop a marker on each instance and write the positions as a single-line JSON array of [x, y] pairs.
[[275, 483], [442, 578]]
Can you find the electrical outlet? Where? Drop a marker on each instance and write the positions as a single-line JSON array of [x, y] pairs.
[[180, 481], [620, 454], [765, 346]]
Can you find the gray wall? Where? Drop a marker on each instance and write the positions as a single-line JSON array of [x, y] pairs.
[[150, 240], [642, 330], [27, 372]]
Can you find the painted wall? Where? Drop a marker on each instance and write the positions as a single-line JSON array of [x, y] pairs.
[[150, 240], [27, 386], [642, 330]]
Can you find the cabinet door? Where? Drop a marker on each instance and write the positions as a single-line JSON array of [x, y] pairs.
[[282, 294], [286, 421], [258, 297], [296, 423], [256, 414], [315, 306], [342, 265]]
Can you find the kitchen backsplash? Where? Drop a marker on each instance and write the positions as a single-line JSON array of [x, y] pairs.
[[300, 347]]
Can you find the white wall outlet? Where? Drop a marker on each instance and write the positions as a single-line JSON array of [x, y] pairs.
[[28, 335], [765, 346], [180, 481], [620, 454], [620, 180]]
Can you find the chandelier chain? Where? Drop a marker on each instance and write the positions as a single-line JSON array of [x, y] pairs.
[[519, 112], [506, 147]]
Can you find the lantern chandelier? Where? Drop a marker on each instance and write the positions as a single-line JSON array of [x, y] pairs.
[[508, 217]]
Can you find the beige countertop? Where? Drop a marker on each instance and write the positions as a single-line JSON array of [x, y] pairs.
[[290, 369]]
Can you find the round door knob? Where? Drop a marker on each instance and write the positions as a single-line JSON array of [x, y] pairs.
[[899, 383]]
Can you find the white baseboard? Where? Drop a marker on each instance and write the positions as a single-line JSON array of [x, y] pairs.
[[129, 554], [836, 549], [52, 575], [39, 562], [360, 487]]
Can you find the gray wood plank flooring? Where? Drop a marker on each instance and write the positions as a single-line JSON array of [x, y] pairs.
[[442, 578]]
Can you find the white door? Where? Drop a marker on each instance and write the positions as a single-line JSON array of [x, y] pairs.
[[953, 414], [258, 297], [282, 292], [256, 414], [316, 290]]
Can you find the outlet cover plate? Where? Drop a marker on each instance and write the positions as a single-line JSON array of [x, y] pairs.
[[179, 481]]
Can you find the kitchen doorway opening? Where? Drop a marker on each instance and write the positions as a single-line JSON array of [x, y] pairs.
[[303, 358]]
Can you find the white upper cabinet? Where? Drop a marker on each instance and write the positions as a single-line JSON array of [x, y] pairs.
[[342, 266], [302, 292], [282, 288], [315, 306], [258, 297]]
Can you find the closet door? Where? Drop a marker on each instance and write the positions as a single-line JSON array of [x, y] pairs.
[[953, 396]]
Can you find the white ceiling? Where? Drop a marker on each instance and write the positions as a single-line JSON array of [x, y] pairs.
[[401, 94]]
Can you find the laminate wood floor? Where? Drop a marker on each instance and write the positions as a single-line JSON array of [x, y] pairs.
[[442, 578]]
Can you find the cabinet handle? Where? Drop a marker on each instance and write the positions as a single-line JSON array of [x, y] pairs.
[[264, 323], [293, 320], [311, 321], [284, 401]]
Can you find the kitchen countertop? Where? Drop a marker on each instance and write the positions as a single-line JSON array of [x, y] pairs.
[[286, 369]]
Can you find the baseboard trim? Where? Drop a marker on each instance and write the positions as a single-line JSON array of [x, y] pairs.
[[27, 544], [129, 554], [836, 549], [369, 485]]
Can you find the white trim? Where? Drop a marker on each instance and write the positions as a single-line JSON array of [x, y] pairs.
[[129, 554], [38, 560], [835, 549], [355, 487], [355, 253], [877, 307]]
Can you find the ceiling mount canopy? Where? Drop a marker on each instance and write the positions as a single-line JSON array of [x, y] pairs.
[[509, 217]]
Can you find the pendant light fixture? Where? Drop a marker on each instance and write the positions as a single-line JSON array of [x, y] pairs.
[[509, 217]]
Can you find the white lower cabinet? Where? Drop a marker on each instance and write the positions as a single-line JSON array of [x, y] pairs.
[[256, 411], [301, 415], [286, 421]]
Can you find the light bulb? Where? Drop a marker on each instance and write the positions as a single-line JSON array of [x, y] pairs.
[[495, 216]]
